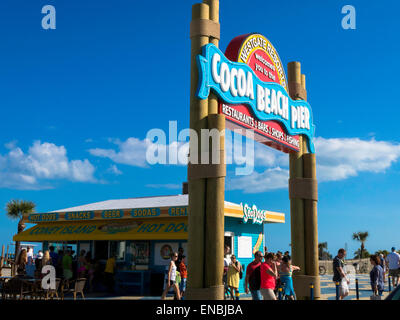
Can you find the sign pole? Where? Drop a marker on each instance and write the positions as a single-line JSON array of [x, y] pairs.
[[214, 240], [296, 172], [311, 226], [206, 178], [196, 184], [303, 192]]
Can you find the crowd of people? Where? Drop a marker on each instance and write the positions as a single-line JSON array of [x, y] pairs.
[[67, 265], [265, 275], [381, 265], [264, 278]]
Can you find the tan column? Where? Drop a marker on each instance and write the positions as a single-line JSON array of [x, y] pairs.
[[306, 249], [197, 187], [215, 194], [311, 227], [311, 221], [296, 171], [214, 240]]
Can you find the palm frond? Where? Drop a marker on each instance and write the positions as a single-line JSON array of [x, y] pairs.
[[16, 208], [363, 236], [356, 236], [323, 245]]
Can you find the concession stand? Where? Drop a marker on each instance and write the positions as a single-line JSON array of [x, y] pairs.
[[143, 232]]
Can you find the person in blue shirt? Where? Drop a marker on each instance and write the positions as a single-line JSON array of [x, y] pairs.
[[376, 276]]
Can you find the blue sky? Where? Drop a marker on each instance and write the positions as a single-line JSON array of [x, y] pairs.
[[78, 101]]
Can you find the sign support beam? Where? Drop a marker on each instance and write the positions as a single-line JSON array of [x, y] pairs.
[[197, 187], [303, 210], [214, 242], [206, 194], [296, 171]]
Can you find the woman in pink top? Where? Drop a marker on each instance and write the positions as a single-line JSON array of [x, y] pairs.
[[269, 273]]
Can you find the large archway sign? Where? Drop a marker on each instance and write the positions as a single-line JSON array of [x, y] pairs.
[[253, 92], [246, 87]]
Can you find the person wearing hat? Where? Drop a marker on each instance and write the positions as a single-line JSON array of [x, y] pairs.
[[393, 261]]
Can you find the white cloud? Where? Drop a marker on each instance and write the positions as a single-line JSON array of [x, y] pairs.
[[337, 159], [270, 179], [11, 145], [114, 170], [131, 152], [142, 153], [43, 162]]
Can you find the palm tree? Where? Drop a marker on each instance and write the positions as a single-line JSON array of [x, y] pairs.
[[15, 210], [361, 237], [358, 255], [321, 248]]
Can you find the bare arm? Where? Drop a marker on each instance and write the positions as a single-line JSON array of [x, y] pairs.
[[236, 267], [341, 272], [246, 282], [273, 272], [169, 272]]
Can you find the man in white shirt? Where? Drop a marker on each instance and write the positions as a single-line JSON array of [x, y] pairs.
[[393, 261]]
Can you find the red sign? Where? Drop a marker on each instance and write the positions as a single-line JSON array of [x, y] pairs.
[[257, 52]]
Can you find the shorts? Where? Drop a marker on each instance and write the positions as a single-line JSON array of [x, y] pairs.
[[172, 282], [182, 285], [394, 272], [68, 274], [268, 294], [256, 294]]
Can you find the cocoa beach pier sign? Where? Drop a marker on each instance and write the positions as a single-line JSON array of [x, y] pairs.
[[253, 92]]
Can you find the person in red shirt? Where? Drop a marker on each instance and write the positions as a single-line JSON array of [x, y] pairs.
[[253, 276], [269, 274], [183, 272]]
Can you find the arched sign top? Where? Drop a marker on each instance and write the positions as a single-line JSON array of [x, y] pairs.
[[251, 96], [257, 51]]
